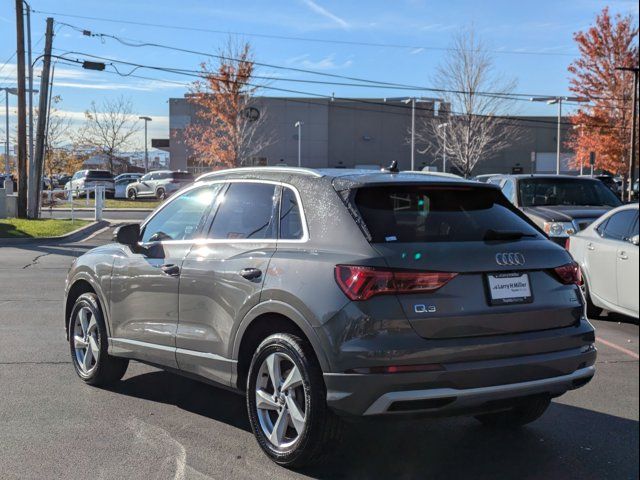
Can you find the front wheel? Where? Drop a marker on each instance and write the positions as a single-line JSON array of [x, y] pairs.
[[161, 194], [88, 343], [524, 412], [286, 402], [132, 194]]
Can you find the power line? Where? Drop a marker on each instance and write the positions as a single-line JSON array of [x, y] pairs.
[[376, 83], [296, 38], [198, 74]]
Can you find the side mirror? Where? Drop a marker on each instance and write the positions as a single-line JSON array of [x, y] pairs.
[[635, 240], [127, 234]]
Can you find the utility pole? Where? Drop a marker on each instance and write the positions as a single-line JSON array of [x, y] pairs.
[[444, 147], [22, 112], [38, 160], [634, 127]]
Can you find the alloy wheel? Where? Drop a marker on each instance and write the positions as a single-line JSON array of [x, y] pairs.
[[280, 400], [86, 341]]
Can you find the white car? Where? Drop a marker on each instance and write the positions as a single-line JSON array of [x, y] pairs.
[[607, 252]]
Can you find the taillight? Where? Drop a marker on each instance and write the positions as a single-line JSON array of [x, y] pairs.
[[569, 273], [361, 283]]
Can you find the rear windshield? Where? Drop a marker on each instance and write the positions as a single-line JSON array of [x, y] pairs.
[[100, 174], [535, 192], [406, 214], [182, 176]]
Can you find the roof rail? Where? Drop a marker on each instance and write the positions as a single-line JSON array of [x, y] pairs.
[[226, 171]]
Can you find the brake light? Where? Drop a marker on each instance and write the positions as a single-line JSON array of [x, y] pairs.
[[361, 283], [569, 273]]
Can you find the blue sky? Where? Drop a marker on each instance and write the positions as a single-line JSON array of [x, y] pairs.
[[513, 29]]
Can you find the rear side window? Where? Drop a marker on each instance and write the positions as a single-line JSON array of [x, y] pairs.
[[290, 220], [100, 174], [408, 214], [182, 176], [245, 211], [618, 227]]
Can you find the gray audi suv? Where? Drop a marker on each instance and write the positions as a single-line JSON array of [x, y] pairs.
[[326, 294]]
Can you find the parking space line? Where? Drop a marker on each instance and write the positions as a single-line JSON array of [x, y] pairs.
[[619, 348]]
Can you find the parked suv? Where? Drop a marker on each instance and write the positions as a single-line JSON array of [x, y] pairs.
[[89, 179], [324, 294], [158, 184], [561, 205]]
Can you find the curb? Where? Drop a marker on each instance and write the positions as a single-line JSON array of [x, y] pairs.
[[70, 237]]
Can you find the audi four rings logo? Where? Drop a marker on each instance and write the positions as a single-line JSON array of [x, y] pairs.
[[509, 258]]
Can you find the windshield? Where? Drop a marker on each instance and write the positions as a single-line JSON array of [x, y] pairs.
[[406, 214], [101, 174], [535, 192]]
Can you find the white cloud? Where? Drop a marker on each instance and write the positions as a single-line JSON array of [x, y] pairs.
[[326, 63], [326, 13]]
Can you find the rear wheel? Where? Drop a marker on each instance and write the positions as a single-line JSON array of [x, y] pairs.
[[161, 194], [286, 402], [524, 412], [88, 343]]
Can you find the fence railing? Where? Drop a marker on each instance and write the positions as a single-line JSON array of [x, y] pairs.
[[59, 197]]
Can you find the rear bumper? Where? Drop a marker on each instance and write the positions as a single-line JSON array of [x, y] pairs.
[[463, 387]]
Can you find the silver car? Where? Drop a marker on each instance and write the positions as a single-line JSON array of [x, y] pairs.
[[607, 252], [337, 293], [158, 184]]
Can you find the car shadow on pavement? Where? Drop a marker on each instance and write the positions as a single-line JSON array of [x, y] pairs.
[[567, 442]]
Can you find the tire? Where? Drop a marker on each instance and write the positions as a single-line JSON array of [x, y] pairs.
[[161, 194], [524, 412], [132, 194], [106, 369], [592, 310], [317, 428]]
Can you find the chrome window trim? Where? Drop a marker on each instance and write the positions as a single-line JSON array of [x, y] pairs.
[[205, 241]]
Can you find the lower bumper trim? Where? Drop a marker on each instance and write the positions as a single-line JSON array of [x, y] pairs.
[[476, 396]]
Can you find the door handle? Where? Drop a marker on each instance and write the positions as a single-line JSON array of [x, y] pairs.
[[590, 246], [622, 255], [251, 273], [170, 269]]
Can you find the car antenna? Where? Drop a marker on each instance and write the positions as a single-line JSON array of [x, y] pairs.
[[392, 168]]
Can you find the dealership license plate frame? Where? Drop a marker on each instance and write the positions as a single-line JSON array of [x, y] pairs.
[[511, 298]]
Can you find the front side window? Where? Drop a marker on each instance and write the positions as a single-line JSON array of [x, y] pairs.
[[290, 219], [508, 190], [246, 211], [619, 225], [182, 218]]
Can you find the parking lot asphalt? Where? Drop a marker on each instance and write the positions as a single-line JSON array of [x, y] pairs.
[[155, 424]]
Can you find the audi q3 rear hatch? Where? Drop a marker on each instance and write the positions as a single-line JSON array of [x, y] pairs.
[[463, 261]]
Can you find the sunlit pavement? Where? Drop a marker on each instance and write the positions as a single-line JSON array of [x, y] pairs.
[[158, 425]]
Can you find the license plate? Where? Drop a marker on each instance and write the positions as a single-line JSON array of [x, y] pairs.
[[509, 288]]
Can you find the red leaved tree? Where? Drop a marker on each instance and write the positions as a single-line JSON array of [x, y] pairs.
[[604, 126], [226, 129]]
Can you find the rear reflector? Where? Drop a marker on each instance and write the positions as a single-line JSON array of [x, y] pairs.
[[429, 367], [361, 283], [569, 273]]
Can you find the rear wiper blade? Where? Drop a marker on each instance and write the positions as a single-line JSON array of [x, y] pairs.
[[506, 235]]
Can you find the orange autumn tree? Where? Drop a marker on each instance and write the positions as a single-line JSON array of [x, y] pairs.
[[226, 130], [604, 126]]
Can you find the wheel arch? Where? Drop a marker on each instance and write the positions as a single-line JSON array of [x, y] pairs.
[[83, 283], [260, 322]]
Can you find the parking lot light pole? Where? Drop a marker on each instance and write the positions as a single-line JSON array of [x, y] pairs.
[[146, 149], [298, 125], [558, 101]]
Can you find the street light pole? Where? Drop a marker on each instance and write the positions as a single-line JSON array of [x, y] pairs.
[[146, 148], [7, 91], [298, 124], [553, 101]]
